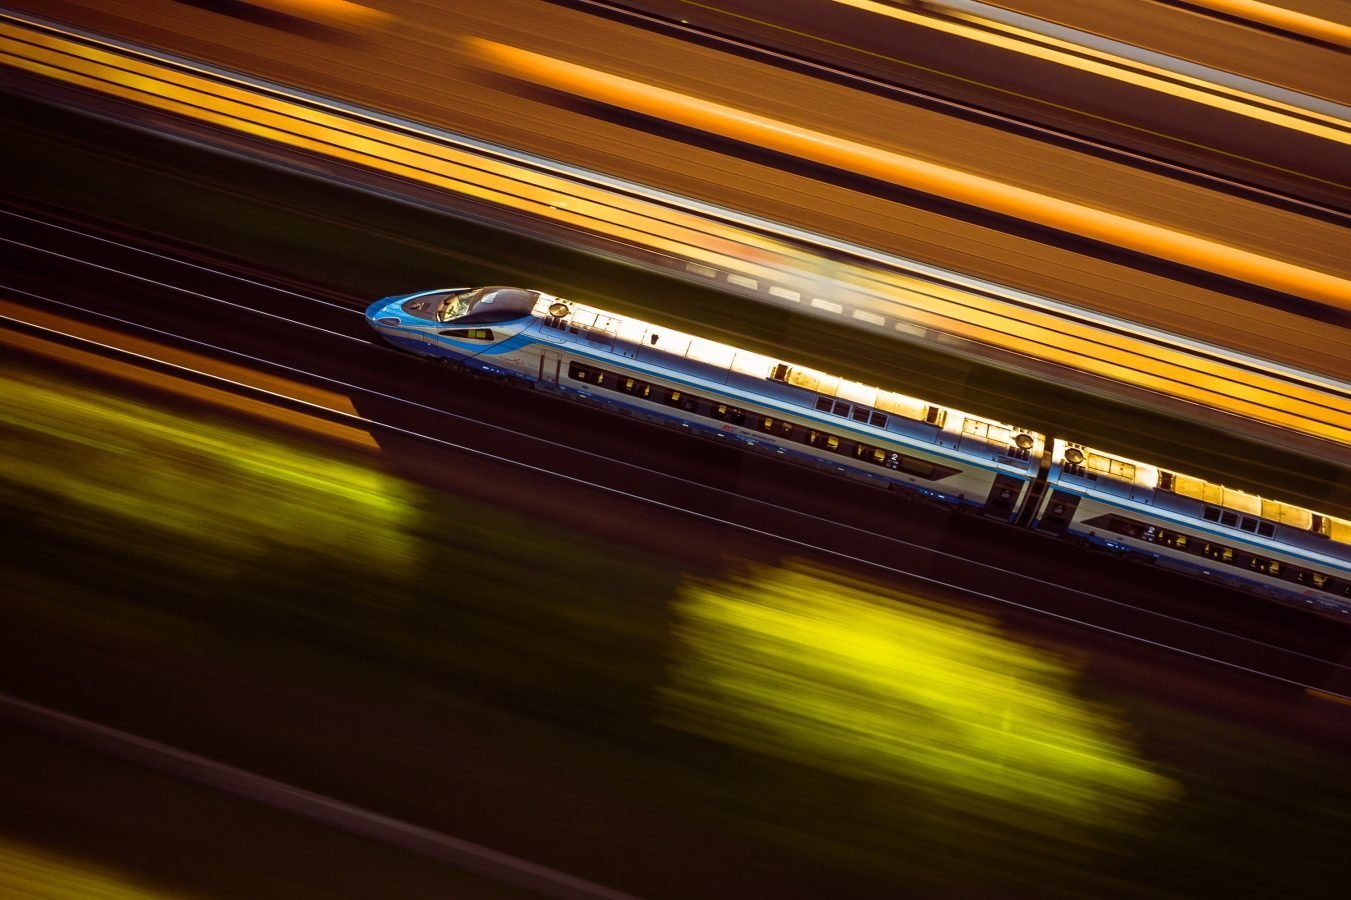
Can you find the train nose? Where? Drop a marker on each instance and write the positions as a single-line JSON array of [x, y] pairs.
[[382, 309]]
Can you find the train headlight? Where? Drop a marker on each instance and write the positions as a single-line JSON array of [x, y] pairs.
[[558, 310], [1024, 441], [1074, 456]]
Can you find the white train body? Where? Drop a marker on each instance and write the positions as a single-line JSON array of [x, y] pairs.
[[762, 404]]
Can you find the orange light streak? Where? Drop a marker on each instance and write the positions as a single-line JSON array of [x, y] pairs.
[[932, 178]]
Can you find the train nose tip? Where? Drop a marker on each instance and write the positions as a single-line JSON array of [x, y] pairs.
[[381, 309]]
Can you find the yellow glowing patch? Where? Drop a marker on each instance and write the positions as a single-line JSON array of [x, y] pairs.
[[238, 496], [27, 871], [883, 687]]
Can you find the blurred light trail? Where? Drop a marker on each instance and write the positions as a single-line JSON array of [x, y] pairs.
[[1177, 83], [889, 686], [1282, 19], [973, 190], [188, 362], [776, 263], [328, 12]]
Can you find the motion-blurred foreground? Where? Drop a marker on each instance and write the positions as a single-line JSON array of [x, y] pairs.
[[871, 735], [285, 613]]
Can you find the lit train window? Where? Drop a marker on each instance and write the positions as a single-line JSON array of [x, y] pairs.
[[1265, 566], [1218, 552], [1173, 539], [786, 429], [1317, 579], [832, 443], [635, 387], [766, 423], [729, 414]]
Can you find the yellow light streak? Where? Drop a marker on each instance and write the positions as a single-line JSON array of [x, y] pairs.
[[932, 178], [1284, 19], [129, 372], [1096, 62], [684, 236], [410, 157]]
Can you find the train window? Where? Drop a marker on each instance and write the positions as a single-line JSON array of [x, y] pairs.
[[923, 468], [1166, 481], [1266, 529], [861, 414], [1212, 514], [1265, 566], [577, 372], [824, 403], [841, 408], [767, 424], [786, 429], [1218, 552], [689, 404], [1248, 524], [875, 455], [780, 372], [635, 387], [473, 334], [1228, 518], [835, 445], [1316, 579], [672, 398], [877, 420], [1173, 539], [728, 413]]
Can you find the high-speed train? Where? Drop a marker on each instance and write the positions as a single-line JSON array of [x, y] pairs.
[[923, 450]]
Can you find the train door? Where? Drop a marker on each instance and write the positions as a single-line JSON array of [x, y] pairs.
[[549, 365], [1003, 496], [1059, 512]]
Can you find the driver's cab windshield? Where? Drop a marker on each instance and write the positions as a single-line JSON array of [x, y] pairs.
[[457, 304]]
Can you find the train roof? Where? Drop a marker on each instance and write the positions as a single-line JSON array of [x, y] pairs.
[[760, 366], [1111, 465], [1147, 475]]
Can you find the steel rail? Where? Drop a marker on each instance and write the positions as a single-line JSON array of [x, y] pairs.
[[556, 446]]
